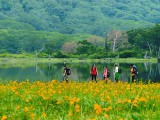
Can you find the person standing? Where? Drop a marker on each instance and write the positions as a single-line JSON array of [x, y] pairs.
[[116, 73], [94, 72], [66, 73], [105, 73], [133, 75]]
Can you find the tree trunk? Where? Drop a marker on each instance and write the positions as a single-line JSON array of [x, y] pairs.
[[150, 50], [114, 41], [105, 43]]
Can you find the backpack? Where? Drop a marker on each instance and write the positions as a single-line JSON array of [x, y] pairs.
[[68, 71], [119, 70], [135, 70], [108, 73]]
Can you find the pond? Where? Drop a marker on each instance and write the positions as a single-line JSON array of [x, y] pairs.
[[80, 71]]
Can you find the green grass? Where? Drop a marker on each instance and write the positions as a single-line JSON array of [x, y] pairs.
[[74, 60]]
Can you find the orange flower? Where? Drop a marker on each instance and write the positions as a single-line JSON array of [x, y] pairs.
[[70, 114], [32, 116], [4, 117], [58, 102], [135, 101], [135, 104], [16, 93], [17, 107], [74, 100], [106, 116], [103, 100], [92, 119], [97, 108], [71, 102], [119, 101], [44, 115], [77, 108], [107, 109], [142, 99]]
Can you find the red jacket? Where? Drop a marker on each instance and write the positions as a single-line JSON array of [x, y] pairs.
[[93, 71]]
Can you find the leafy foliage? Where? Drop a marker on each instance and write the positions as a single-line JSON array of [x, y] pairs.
[[146, 39], [19, 41]]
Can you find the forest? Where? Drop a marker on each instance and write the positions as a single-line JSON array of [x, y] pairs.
[[79, 16], [132, 43], [83, 29]]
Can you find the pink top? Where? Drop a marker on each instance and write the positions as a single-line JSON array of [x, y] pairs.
[[105, 72]]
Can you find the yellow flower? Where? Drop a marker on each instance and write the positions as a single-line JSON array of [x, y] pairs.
[[4, 117], [135, 101], [103, 100], [17, 107], [119, 101], [26, 109], [102, 94], [107, 109], [106, 116], [74, 100], [32, 116], [135, 104], [77, 108], [44, 115], [109, 81], [125, 100], [71, 102], [142, 99], [16, 93], [129, 101], [120, 92], [58, 102], [70, 114], [92, 119]]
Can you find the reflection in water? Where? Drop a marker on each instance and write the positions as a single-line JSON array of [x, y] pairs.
[[80, 71], [159, 67], [148, 67]]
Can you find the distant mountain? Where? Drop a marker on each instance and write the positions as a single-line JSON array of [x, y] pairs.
[[78, 16]]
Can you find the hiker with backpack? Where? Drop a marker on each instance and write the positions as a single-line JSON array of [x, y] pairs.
[[106, 73], [134, 72], [94, 72], [116, 73], [66, 73]]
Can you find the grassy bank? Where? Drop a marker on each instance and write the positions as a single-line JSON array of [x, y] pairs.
[[80, 101], [69, 60]]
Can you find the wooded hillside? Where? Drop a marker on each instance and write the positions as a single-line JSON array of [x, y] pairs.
[[78, 16]]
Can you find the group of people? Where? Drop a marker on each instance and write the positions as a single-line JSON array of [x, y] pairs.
[[106, 73]]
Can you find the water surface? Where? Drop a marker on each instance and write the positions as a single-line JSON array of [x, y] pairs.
[[80, 71]]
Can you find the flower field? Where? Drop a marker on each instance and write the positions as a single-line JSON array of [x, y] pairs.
[[79, 101]]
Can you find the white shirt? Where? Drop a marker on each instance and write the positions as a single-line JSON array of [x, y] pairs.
[[116, 69]]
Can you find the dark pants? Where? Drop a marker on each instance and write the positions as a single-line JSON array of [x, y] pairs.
[[65, 78], [133, 78], [94, 77]]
